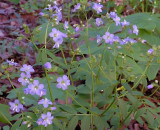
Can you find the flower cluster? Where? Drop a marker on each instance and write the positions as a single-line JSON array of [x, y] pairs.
[[57, 37], [25, 75]]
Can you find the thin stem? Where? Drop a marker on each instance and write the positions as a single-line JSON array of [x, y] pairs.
[[81, 105], [154, 91], [49, 86], [143, 74], [101, 61], [63, 55], [45, 42], [125, 119], [108, 107]]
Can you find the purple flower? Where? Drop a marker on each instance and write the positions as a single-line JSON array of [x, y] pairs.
[[113, 14], [63, 82], [12, 62], [132, 41], [150, 51], [40, 121], [150, 86], [76, 7], [97, 7], [24, 79], [36, 88], [45, 102], [116, 39], [77, 29], [57, 37], [16, 106], [108, 37], [99, 21], [26, 91], [117, 20], [135, 29], [47, 119], [41, 14], [66, 25], [99, 39], [124, 23], [48, 65], [144, 41], [53, 108], [58, 17], [27, 68], [130, 31]]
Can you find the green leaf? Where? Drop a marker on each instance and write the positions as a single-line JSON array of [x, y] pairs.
[[152, 71], [123, 107], [73, 123], [4, 114], [15, 1], [99, 123], [58, 124], [85, 123], [16, 124], [68, 109], [6, 127]]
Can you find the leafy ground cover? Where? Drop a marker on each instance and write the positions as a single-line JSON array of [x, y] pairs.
[[79, 65]]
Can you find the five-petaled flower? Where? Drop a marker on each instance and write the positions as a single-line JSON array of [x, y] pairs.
[[16, 106], [45, 102], [97, 7], [63, 82]]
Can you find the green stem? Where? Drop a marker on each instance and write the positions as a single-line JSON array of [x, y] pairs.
[[154, 91], [125, 119], [63, 55], [80, 104], [101, 61], [45, 42], [108, 107], [49, 86]]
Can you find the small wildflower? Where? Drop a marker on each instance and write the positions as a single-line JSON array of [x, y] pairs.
[[150, 51], [99, 21], [53, 108], [24, 79], [99, 39], [76, 7], [36, 88], [41, 14], [97, 7], [130, 31], [150, 86], [124, 23], [66, 25], [12, 62], [135, 29], [16, 106], [48, 65], [112, 15], [144, 41], [108, 38], [47, 119], [27, 68], [117, 20], [40, 121], [45, 102], [63, 82]]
